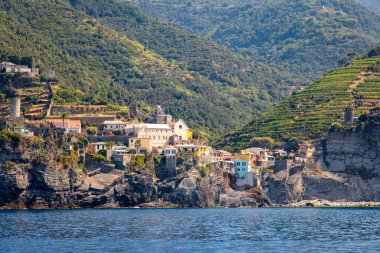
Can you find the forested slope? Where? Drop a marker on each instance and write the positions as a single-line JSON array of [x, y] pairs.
[[99, 64], [304, 37], [373, 5]]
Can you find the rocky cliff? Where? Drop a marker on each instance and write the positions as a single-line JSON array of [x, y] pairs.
[[39, 172], [346, 169], [39, 187]]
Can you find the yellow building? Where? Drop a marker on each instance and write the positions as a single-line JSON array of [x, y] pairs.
[[189, 134], [202, 151]]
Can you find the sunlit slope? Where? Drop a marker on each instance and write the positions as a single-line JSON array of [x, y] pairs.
[[309, 113]]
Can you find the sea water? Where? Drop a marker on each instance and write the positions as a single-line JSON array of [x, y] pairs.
[[192, 230]]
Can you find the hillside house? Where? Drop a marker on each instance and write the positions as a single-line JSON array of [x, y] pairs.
[[140, 144], [10, 67], [221, 155], [242, 166], [168, 151], [70, 126], [202, 150], [95, 147], [113, 125], [227, 166], [23, 130], [253, 151], [305, 150], [186, 148], [196, 150], [159, 134]]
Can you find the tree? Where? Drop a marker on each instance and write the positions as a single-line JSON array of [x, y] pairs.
[[92, 130], [138, 146], [64, 116], [352, 55], [83, 144], [374, 52], [110, 144]]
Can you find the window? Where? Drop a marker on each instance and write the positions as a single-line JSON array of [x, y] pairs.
[[180, 126], [244, 163], [238, 163]]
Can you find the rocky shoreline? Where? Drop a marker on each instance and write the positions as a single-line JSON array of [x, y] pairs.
[[326, 203]]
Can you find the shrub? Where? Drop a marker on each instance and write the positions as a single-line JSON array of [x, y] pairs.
[[40, 158], [9, 165], [98, 157], [81, 169], [118, 132], [92, 130]]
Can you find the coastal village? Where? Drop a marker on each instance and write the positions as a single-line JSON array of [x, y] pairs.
[[113, 142]]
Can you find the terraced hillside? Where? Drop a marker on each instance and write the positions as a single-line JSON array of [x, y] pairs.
[[310, 113], [35, 100]]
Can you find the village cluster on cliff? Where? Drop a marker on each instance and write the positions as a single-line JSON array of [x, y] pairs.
[[110, 146], [120, 143]]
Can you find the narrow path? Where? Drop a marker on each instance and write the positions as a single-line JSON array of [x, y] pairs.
[[356, 83]]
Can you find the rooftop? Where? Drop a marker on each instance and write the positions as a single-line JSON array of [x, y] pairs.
[[151, 126], [113, 122], [67, 123]]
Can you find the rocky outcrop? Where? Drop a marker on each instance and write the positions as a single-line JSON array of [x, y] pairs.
[[346, 169], [38, 187]]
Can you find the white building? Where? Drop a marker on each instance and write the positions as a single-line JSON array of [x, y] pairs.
[[159, 134], [168, 151], [180, 129], [221, 155], [113, 125], [95, 147], [186, 148], [13, 68]]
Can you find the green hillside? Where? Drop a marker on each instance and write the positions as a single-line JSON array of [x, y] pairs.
[[188, 51], [98, 64], [304, 37], [373, 5], [311, 112]]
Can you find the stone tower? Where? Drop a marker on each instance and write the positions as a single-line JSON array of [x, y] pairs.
[[159, 115], [133, 109], [349, 115], [15, 107]]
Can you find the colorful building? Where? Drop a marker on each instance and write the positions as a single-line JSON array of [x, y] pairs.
[[305, 150], [70, 125], [242, 167]]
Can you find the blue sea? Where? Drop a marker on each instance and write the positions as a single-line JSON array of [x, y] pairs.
[[192, 230]]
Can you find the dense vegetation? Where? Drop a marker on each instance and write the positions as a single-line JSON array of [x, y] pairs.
[[310, 113], [373, 5], [304, 37], [99, 62]]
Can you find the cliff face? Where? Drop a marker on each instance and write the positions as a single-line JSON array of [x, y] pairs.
[[346, 168], [26, 186]]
